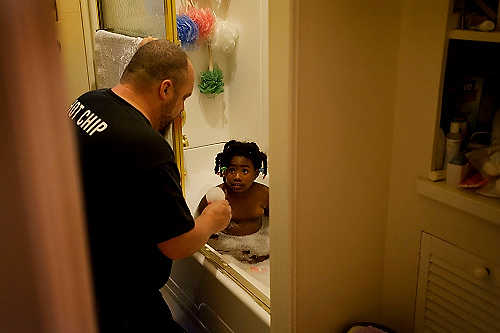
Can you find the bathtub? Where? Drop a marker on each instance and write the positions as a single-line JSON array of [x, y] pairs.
[[217, 292]]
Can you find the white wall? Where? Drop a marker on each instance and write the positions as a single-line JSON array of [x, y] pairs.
[[71, 41], [199, 163], [423, 33], [341, 102], [241, 112]]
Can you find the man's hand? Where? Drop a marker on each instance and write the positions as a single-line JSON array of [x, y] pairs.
[[219, 214], [215, 217]]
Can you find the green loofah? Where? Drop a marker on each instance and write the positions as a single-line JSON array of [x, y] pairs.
[[211, 82]]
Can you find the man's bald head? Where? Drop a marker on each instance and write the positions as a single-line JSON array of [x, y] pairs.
[[154, 62]]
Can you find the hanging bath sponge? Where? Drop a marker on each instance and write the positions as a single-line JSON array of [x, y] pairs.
[[204, 19], [187, 30], [212, 82], [225, 36]]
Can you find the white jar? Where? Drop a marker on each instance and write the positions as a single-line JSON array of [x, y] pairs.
[[455, 173], [453, 143]]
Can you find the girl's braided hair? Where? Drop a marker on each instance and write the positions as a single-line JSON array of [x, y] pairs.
[[249, 150]]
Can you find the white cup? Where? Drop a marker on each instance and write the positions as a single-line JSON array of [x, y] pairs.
[[455, 173], [452, 147]]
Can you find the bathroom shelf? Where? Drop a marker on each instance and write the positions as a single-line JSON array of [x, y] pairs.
[[479, 36], [475, 204]]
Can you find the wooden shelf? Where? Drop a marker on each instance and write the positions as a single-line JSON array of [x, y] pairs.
[[479, 36], [467, 201]]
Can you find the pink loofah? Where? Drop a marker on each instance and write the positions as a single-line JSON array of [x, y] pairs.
[[204, 18]]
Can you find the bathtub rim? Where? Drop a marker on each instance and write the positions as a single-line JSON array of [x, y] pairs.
[[255, 293]]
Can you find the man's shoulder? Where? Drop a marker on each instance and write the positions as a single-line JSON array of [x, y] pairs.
[[124, 132], [121, 122], [99, 101], [144, 144], [153, 143], [97, 94]]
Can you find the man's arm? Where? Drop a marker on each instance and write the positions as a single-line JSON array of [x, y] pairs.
[[214, 218]]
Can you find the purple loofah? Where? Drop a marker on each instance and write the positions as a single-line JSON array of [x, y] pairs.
[[187, 30]]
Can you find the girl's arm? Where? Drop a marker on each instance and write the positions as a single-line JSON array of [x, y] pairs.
[[204, 203], [201, 206], [266, 202]]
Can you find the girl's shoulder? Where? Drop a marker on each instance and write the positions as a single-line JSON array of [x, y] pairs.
[[261, 190], [261, 187]]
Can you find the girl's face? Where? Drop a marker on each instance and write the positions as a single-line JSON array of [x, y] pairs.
[[240, 174]]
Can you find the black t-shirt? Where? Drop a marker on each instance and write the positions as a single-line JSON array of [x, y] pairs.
[[133, 199]]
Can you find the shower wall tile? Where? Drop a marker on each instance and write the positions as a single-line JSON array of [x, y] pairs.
[[199, 164], [241, 112]]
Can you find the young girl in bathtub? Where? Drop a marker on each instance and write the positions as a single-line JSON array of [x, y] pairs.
[[246, 238]]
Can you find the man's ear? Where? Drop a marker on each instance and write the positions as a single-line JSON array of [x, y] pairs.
[[166, 89]]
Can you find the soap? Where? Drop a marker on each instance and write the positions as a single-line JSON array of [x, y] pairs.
[[214, 194]]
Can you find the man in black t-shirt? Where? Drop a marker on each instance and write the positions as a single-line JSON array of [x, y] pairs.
[[137, 218]]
